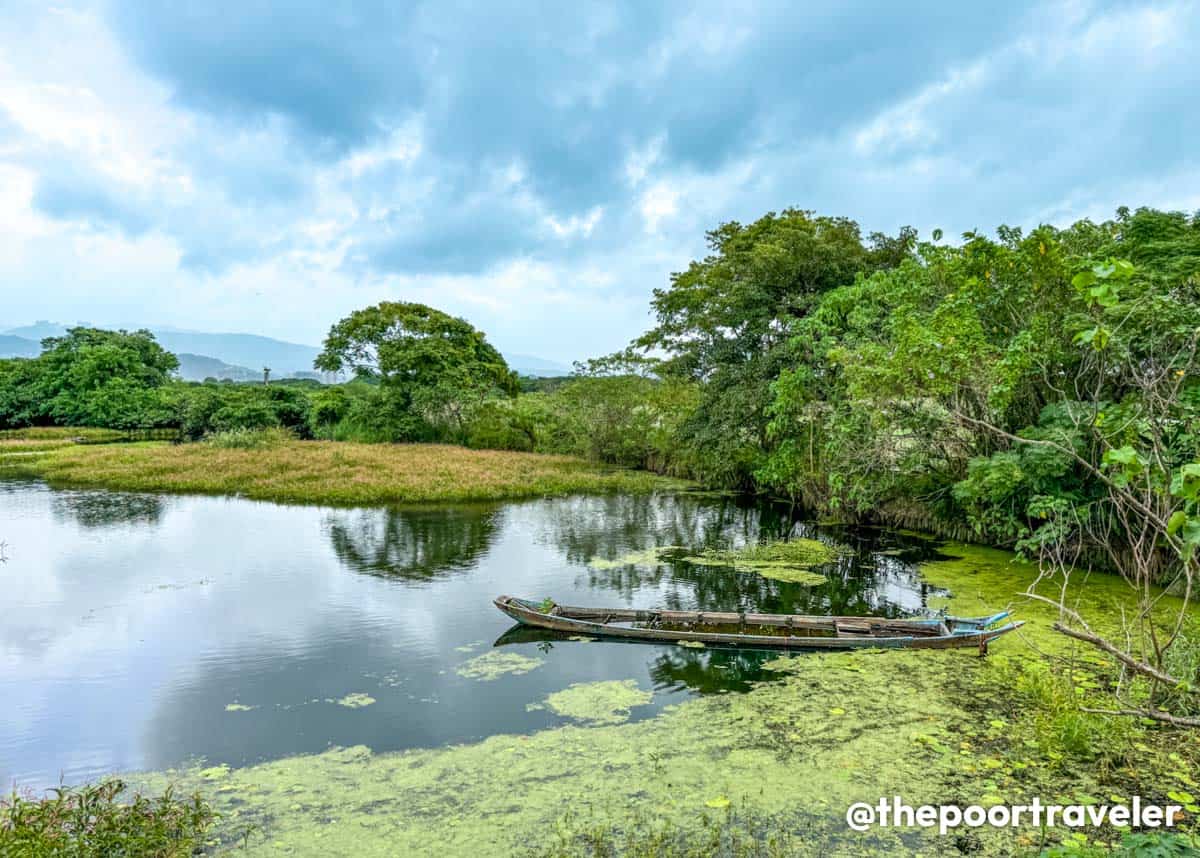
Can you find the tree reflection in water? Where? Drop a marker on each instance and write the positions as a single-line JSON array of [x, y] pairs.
[[876, 575], [413, 545], [97, 509]]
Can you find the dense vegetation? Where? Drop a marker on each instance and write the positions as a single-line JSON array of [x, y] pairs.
[[101, 819]]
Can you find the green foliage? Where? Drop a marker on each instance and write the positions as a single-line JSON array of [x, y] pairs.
[[87, 377], [726, 322], [245, 438], [101, 820], [432, 368], [1132, 845], [1061, 729]]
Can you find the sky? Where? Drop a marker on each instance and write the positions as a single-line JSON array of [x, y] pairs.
[[540, 168]]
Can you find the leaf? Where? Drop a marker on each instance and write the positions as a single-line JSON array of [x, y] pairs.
[[1176, 521], [718, 802]]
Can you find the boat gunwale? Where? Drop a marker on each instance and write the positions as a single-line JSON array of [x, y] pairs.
[[976, 634]]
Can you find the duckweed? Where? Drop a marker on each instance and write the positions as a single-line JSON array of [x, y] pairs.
[[494, 664]]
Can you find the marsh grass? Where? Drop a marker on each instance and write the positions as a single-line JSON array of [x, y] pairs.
[[250, 439], [69, 434], [101, 820], [329, 472]]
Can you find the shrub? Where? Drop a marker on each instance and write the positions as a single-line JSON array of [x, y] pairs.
[[243, 438], [94, 821]]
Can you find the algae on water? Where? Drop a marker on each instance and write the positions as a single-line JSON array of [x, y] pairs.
[[494, 664], [791, 560], [606, 702], [646, 557], [356, 700]]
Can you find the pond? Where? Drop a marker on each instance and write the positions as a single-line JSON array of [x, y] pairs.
[[141, 632]]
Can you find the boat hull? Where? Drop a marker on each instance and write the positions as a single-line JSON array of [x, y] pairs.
[[815, 632]]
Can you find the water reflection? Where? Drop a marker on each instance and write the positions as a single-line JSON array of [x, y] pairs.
[[411, 545], [107, 509], [144, 631]]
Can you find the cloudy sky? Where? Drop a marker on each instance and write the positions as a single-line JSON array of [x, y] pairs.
[[539, 168]]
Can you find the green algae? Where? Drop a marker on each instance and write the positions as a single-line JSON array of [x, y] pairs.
[[356, 700], [238, 707], [790, 560], [645, 557], [607, 702], [494, 664]]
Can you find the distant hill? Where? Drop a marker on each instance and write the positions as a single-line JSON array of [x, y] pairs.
[[246, 350], [536, 366], [236, 356], [13, 346], [199, 367], [38, 330]]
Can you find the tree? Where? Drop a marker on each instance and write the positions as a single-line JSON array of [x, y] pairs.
[[93, 377], [432, 367], [726, 321]]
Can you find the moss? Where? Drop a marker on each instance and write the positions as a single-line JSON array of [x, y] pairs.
[[606, 702], [494, 664]]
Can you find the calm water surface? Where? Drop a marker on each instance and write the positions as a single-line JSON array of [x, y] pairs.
[[131, 623]]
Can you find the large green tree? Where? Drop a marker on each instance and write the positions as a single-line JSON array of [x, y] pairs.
[[433, 369], [726, 321], [89, 377]]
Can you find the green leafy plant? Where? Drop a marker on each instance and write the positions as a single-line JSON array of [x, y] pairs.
[[103, 820]]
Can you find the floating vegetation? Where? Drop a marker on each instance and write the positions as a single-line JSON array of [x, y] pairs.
[[691, 644], [791, 560], [357, 700], [605, 702], [238, 707], [646, 557], [789, 755], [494, 664], [470, 647]]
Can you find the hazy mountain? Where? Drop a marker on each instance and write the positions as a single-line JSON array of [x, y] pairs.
[[234, 356], [39, 330], [248, 350], [530, 365], [199, 367], [14, 346]]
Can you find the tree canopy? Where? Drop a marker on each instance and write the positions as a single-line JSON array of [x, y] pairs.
[[431, 366]]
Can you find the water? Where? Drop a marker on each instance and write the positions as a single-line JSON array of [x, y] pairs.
[[142, 632]]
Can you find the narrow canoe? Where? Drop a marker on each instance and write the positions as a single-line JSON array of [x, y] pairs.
[[789, 631]]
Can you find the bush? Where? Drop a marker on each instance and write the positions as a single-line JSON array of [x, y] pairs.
[[243, 438], [92, 820]]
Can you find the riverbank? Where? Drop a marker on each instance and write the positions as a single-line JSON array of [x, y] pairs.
[[320, 472]]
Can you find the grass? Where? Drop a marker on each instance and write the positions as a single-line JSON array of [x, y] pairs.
[[62, 433], [326, 472], [99, 820]]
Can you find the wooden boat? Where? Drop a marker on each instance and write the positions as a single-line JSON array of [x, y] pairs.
[[789, 631]]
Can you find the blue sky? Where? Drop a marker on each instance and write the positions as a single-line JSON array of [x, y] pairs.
[[540, 168]]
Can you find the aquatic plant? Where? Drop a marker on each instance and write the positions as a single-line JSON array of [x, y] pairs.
[[605, 702], [103, 820], [494, 664], [783, 560]]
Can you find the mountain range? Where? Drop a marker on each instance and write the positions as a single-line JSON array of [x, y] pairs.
[[240, 357]]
